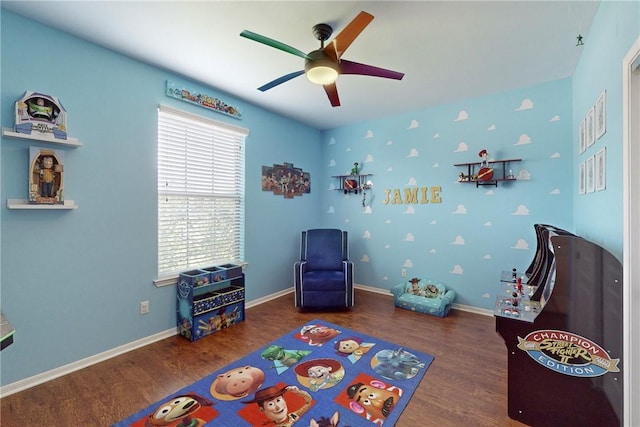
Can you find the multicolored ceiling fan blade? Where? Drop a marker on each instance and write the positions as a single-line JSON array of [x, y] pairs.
[[343, 40], [280, 80], [349, 67], [332, 93], [273, 43]]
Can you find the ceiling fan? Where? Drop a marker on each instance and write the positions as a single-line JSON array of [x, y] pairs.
[[324, 65]]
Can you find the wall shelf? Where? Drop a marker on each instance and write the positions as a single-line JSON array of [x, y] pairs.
[[352, 183], [496, 174], [24, 204], [69, 142]]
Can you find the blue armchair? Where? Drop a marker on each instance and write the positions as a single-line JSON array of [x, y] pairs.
[[324, 273]]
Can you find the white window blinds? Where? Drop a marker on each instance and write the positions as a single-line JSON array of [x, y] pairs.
[[200, 192]]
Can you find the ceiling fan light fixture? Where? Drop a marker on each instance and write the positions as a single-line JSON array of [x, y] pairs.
[[322, 75], [320, 69]]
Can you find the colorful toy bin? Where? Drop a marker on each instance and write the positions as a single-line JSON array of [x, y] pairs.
[[210, 300], [37, 112]]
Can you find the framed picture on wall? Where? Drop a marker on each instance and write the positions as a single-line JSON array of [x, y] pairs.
[[581, 179], [590, 128], [601, 114], [601, 169], [582, 141], [590, 174]]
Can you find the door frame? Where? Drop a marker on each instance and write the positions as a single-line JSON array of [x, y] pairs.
[[631, 213]]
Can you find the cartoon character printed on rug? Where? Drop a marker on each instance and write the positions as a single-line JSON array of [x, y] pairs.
[[180, 412], [396, 364], [283, 359], [318, 374], [326, 422], [352, 348], [317, 335], [374, 401], [237, 383], [272, 403]]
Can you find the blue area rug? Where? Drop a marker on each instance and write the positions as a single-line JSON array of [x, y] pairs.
[[319, 374]]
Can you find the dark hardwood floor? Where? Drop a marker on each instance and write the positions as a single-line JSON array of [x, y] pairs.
[[466, 384]]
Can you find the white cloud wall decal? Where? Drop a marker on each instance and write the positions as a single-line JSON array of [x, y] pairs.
[[462, 115], [521, 210], [459, 240], [526, 104], [523, 140], [457, 270], [462, 146], [460, 210], [521, 244]]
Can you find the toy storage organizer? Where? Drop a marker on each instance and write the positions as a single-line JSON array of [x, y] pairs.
[[209, 300]]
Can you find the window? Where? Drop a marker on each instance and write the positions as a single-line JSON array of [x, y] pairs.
[[200, 193]]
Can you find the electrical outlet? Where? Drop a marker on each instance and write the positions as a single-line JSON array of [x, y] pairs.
[[404, 272], [144, 307]]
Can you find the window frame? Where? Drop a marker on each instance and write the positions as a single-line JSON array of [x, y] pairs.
[[220, 132]]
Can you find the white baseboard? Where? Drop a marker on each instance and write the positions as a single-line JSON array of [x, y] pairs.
[[83, 363], [269, 297], [101, 357]]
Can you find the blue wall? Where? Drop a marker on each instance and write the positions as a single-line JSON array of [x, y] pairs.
[[474, 233], [72, 281], [598, 216]]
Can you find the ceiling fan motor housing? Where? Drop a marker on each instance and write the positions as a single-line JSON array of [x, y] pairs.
[[320, 68]]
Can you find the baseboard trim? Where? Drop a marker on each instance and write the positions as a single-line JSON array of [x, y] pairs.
[[267, 298], [83, 363], [43, 377]]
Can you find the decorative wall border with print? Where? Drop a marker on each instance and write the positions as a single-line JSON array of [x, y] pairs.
[[205, 101]]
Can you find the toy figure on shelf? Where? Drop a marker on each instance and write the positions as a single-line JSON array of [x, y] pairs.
[[38, 112], [354, 171], [46, 176], [485, 173], [484, 155]]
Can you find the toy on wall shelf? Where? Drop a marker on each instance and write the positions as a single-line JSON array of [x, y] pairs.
[[37, 112], [46, 176], [485, 173]]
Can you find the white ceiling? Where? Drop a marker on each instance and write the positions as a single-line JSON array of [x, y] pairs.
[[448, 50]]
